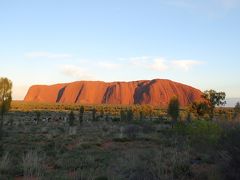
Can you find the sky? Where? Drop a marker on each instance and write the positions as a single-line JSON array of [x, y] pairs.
[[54, 41]]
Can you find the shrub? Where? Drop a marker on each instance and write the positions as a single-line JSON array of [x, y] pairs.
[[101, 178], [173, 109], [123, 116], [236, 110], [33, 164], [201, 133], [141, 116], [5, 163], [189, 118], [165, 163], [71, 119], [94, 111], [101, 113], [81, 111], [38, 114], [131, 131], [230, 153], [106, 117], [237, 107], [72, 130], [115, 119], [213, 99], [129, 115], [200, 109]]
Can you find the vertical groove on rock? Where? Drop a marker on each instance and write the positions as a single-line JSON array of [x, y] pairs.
[[60, 93], [79, 93]]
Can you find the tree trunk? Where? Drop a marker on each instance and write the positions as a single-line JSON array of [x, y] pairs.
[[1, 126], [212, 113], [1, 133]]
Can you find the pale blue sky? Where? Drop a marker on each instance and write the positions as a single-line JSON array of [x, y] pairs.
[[53, 41]]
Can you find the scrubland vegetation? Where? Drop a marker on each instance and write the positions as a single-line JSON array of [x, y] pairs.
[[116, 142]]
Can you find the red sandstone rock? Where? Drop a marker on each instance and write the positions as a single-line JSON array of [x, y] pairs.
[[157, 92]]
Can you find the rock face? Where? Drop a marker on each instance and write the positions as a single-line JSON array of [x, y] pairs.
[[157, 92]]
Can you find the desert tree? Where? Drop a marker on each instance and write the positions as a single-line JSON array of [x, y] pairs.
[[123, 115], [129, 114], [141, 115], [214, 98], [147, 111], [81, 112], [5, 96], [200, 109], [173, 109], [189, 118], [71, 119], [5, 101], [101, 112], [94, 111], [38, 115], [106, 117], [237, 109]]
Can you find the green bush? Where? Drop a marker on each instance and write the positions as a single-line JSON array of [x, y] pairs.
[[81, 111], [173, 109], [71, 119], [94, 111], [130, 115], [123, 115], [229, 148], [200, 132]]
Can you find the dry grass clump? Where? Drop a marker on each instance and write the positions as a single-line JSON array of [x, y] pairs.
[[167, 163], [5, 163], [33, 164]]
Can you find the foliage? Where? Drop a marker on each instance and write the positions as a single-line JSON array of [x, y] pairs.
[[33, 164], [237, 108], [129, 115], [214, 98], [201, 133], [146, 150], [148, 111], [200, 108], [189, 117], [106, 117], [173, 109], [71, 119], [165, 163], [141, 116], [5, 102], [131, 131], [38, 114], [167, 153], [101, 113], [5, 95], [123, 115], [94, 111], [81, 112], [230, 153], [4, 163]]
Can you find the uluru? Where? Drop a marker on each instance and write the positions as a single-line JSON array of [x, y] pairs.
[[157, 92]]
